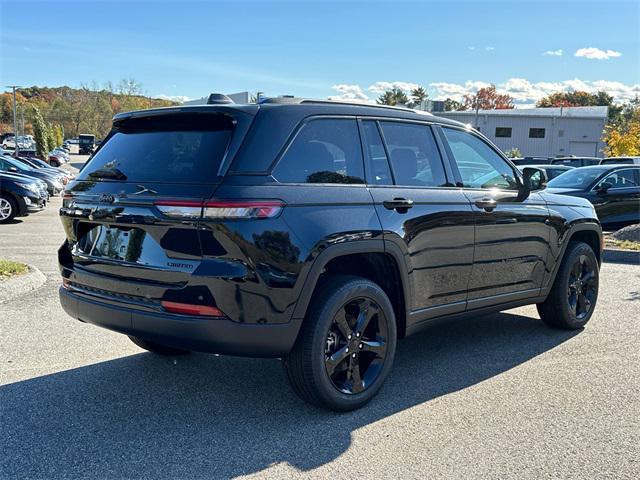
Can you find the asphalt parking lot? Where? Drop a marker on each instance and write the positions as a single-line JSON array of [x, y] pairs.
[[500, 396]]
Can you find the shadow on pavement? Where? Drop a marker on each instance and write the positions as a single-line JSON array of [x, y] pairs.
[[77, 165], [625, 257], [219, 417]]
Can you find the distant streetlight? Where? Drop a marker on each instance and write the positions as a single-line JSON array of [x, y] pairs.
[[15, 118]]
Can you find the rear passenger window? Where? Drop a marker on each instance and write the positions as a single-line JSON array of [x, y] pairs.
[[378, 172], [323, 151], [414, 156]]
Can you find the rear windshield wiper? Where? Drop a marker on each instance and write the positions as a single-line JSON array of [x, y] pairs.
[[108, 173]]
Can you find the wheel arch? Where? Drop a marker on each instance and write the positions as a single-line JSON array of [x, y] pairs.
[[368, 259], [588, 232]]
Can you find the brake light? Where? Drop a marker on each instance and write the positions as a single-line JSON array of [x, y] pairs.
[[191, 309], [220, 209]]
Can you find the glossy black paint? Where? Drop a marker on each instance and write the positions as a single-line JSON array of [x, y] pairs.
[[442, 256], [616, 207]]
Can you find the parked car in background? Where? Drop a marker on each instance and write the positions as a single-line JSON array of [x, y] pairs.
[[86, 144], [54, 181], [42, 164], [576, 161], [31, 162], [20, 195], [314, 231], [551, 171], [531, 161], [614, 191], [620, 161], [56, 159]]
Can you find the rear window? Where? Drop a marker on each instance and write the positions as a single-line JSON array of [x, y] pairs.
[[167, 148]]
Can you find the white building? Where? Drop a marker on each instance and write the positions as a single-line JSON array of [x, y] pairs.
[[541, 132]]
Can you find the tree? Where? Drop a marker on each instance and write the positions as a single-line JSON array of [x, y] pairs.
[[51, 138], [59, 134], [487, 98], [513, 153], [395, 96], [418, 96], [452, 105], [40, 135], [622, 137]]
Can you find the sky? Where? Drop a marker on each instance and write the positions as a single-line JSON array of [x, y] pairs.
[[330, 49]]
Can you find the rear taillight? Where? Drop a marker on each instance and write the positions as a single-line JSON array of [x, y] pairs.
[[191, 309], [247, 209], [220, 209]]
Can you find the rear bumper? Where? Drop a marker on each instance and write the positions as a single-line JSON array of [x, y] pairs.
[[209, 335]]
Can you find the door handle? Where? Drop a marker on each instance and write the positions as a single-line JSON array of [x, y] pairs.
[[401, 205], [488, 204]]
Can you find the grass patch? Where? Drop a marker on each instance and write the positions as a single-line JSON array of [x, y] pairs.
[[9, 269], [623, 244]]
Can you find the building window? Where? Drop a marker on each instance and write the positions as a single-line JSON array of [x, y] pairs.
[[536, 133], [503, 132]]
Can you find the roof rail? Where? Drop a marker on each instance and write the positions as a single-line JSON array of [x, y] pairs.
[[360, 104]]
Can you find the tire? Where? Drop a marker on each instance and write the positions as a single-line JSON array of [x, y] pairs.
[[335, 363], [574, 294], [156, 347], [8, 208]]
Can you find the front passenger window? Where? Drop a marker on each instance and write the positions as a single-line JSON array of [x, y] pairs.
[[479, 165], [621, 179]]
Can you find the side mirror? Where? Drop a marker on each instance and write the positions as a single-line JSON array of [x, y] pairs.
[[603, 187], [534, 178]]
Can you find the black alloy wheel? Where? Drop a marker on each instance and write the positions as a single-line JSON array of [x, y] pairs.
[[582, 286], [573, 296], [356, 345], [346, 345]]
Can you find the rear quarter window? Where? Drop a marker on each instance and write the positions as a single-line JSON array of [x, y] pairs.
[[323, 151], [167, 148]]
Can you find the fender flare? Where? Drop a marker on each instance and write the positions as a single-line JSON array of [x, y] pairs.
[[349, 248], [582, 226]]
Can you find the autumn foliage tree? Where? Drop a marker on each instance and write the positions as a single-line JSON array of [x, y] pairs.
[[622, 136], [487, 98]]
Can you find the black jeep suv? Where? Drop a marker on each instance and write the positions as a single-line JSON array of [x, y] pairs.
[[316, 232]]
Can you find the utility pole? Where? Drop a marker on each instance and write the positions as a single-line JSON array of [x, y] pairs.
[[15, 118]]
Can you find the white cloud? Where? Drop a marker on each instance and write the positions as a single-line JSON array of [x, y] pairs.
[[596, 54], [472, 48], [380, 87], [349, 92], [489, 49], [554, 53], [525, 92], [173, 98]]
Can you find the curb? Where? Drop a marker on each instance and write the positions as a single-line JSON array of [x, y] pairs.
[[21, 284], [630, 257]]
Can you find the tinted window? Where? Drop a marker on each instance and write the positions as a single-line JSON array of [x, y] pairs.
[[479, 165], [168, 148], [621, 179], [578, 178], [378, 172], [503, 132], [618, 161], [323, 151], [414, 156], [536, 133]]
